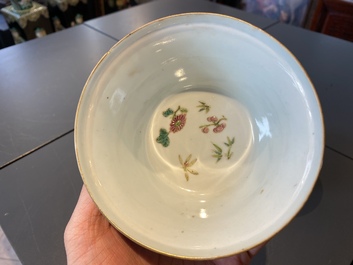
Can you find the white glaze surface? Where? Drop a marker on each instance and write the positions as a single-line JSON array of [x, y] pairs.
[[231, 205]]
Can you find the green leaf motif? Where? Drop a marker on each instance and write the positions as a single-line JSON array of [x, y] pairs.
[[168, 112], [163, 138], [218, 148], [218, 152], [203, 107], [229, 144]]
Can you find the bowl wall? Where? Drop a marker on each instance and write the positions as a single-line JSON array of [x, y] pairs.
[[231, 205]]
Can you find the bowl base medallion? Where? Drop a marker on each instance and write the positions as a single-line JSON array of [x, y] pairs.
[[198, 139]]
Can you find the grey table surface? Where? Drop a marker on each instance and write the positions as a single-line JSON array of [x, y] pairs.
[[40, 84], [39, 179]]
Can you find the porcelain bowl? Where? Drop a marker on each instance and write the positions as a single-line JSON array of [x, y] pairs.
[[199, 136]]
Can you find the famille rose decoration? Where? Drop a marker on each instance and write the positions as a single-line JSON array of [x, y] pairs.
[[196, 138], [178, 120], [186, 165], [203, 107], [198, 122], [218, 124], [218, 151]]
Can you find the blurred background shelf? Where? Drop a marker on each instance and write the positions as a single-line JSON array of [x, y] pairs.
[[60, 14], [331, 17]]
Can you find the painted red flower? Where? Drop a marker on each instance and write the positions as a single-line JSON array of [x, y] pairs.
[[219, 128], [177, 123], [205, 130], [212, 119]]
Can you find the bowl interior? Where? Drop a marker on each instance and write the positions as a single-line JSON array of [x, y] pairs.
[[199, 136]]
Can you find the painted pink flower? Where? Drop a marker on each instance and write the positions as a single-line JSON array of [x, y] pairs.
[[218, 129], [212, 119], [177, 123], [205, 130]]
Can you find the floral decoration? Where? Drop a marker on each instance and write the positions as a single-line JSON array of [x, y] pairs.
[[203, 107], [218, 124], [177, 123], [186, 166], [218, 151]]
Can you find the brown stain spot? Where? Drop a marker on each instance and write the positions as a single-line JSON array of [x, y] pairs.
[[132, 72], [261, 191]]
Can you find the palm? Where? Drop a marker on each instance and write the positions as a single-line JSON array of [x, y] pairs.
[[90, 239]]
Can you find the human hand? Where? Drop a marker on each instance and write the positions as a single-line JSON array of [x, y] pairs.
[[90, 239]]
